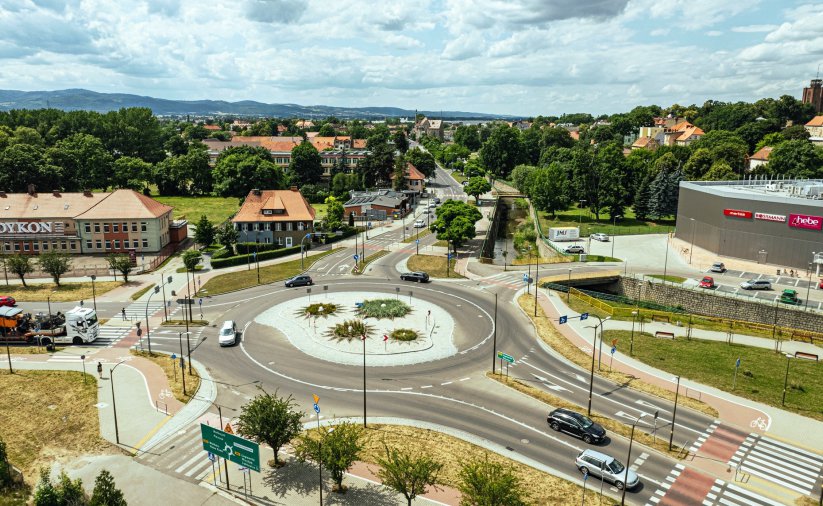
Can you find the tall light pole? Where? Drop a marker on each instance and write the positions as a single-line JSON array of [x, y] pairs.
[[691, 249], [614, 232], [94, 292], [569, 292], [113, 404], [580, 213], [494, 346], [364, 376], [629, 459], [631, 341], [163, 284], [786, 380], [591, 378], [148, 326], [307, 236], [674, 412], [666, 259], [536, 279], [182, 369], [188, 349], [809, 288]]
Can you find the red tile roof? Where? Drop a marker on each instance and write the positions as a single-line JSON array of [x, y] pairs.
[[815, 122], [297, 208], [762, 154], [126, 204]]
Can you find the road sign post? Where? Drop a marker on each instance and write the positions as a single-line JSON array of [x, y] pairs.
[[234, 448], [611, 360], [504, 357], [736, 367]]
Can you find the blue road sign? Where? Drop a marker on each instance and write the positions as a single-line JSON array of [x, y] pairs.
[[356, 257], [525, 277], [449, 256], [417, 241], [212, 457], [614, 349], [174, 356], [737, 364], [583, 316], [200, 301], [317, 409], [564, 319]]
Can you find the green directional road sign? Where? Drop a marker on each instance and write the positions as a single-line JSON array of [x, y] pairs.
[[503, 356], [231, 447]]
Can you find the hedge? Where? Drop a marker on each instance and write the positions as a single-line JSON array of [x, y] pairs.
[[247, 248], [342, 235], [243, 259]]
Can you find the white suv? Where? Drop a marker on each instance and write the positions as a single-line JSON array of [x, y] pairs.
[[574, 248], [419, 224], [606, 467], [600, 236]]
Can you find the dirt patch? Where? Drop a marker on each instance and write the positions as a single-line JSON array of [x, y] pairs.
[[46, 415], [66, 292]]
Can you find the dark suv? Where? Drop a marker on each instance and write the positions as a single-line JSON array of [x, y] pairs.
[[301, 280], [420, 277], [577, 425]]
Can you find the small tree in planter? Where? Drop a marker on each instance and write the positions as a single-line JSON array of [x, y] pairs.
[[337, 448]]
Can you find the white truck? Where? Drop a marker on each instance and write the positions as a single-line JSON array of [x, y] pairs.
[[77, 326], [558, 234]]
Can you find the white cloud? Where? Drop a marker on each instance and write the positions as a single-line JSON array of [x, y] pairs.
[[754, 28], [714, 33]]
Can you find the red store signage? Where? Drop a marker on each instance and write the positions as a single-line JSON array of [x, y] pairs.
[[806, 221], [736, 213], [770, 217]]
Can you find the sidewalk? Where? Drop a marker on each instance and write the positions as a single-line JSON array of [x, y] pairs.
[[731, 408]]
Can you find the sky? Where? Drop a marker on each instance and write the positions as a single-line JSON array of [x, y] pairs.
[[517, 57]]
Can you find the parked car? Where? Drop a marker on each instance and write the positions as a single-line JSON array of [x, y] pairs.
[[756, 284], [718, 267], [228, 333], [437, 200], [419, 223], [600, 236], [419, 277], [707, 282], [7, 300], [432, 204], [576, 424], [299, 280], [789, 296], [574, 248], [606, 467]]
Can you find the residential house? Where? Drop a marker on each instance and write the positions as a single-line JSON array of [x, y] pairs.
[[413, 178], [682, 134], [376, 204], [815, 129], [282, 217], [761, 157], [645, 142]]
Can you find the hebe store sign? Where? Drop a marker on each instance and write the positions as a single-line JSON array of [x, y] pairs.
[[806, 221], [737, 213]]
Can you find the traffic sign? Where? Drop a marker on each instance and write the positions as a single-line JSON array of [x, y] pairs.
[[583, 316], [316, 398], [185, 301], [212, 457], [564, 319], [503, 356], [200, 301], [236, 449], [174, 356], [316, 408], [614, 349], [737, 363], [417, 241], [356, 257], [614, 342]]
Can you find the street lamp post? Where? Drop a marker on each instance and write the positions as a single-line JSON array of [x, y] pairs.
[[629, 459], [591, 378], [614, 232], [674, 412], [536, 279], [666, 259], [494, 346], [786, 380], [182, 369], [148, 326], [94, 292], [113, 403], [809, 288], [569, 291], [580, 213], [691, 249], [163, 289], [307, 236], [364, 377], [188, 349], [631, 341]]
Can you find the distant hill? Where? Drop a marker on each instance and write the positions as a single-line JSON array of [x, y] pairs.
[[80, 99]]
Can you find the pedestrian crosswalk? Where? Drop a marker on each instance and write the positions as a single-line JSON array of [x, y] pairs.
[[137, 310], [109, 336], [781, 463], [732, 495], [183, 455]]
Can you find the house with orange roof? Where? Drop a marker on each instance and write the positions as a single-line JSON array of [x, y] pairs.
[[282, 217], [815, 129], [761, 157], [212, 128], [412, 177], [645, 142], [426, 126], [682, 134]]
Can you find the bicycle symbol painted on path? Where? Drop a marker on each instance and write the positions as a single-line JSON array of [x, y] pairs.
[[165, 394], [760, 423]]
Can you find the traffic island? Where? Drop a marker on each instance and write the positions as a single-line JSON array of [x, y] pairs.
[[174, 374]]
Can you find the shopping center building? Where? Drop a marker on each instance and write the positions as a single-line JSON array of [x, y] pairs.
[[777, 222], [121, 221]]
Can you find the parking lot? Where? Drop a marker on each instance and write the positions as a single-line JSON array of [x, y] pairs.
[[729, 283]]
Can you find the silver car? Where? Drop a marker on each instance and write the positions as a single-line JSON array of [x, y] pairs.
[[599, 236], [606, 467], [756, 284]]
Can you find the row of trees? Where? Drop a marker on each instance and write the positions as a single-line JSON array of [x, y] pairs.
[[68, 492], [275, 421], [56, 264]]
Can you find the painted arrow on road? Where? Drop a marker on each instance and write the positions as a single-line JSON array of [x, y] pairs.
[[549, 384], [648, 404]]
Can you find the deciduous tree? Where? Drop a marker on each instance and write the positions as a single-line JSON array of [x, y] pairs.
[[20, 265], [271, 420], [55, 264], [305, 166], [455, 222], [337, 448], [227, 236], [548, 189], [487, 483], [477, 186], [502, 151], [121, 264], [406, 473]]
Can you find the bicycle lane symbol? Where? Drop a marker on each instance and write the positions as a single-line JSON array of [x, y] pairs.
[[761, 423]]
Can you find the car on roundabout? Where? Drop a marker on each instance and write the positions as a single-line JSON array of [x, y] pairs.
[[577, 425], [419, 277], [228, 334], [707, 282], [606, 467], [299, 280]]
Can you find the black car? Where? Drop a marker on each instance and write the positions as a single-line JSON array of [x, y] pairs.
[[301, 280], [420, 277], [577, 425]]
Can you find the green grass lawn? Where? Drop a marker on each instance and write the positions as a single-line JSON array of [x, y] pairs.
[[269, 274], [320, 211], [435, 266], [668, 277], [760, 377], [216, 209], [583, 218], [458, 176], [413, 236]]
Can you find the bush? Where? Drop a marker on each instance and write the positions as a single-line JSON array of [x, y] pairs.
[[221, 253], [404, 335], [315, 309], [242, 259], [247, 248], [375, 308], [341, 331]]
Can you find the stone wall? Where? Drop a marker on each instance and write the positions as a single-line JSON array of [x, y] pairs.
[[709, 304]]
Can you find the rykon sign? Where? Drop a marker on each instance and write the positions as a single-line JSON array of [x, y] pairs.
[[26, 227], [805, 221]]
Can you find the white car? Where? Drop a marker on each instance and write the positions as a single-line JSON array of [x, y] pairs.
[[599, 236], [228, 334], [606, 467], [419, 224], [756, 284]]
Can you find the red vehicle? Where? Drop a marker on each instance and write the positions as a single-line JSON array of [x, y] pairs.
[[820, 285], [6, 300], [707, 282]]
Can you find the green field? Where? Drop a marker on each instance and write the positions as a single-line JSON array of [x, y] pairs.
[[216, 209], [760, 377], [583, 218]]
